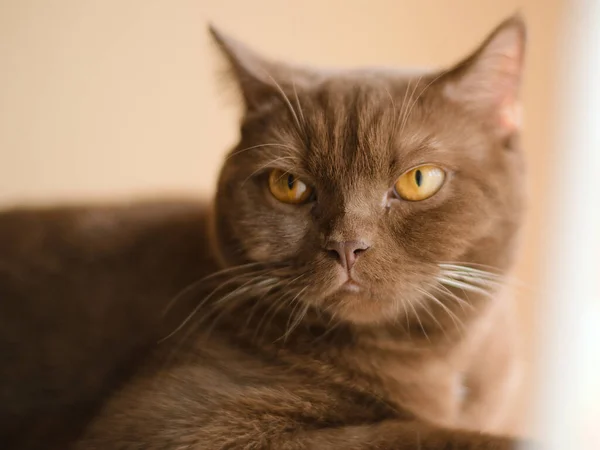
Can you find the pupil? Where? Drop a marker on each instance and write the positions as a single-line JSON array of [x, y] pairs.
[[418, 177], [290, 182]]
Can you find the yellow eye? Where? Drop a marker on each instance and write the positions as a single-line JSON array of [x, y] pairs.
[[288, 188], [420, 183]]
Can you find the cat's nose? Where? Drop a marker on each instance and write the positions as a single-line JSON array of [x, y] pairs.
[[347, 252]]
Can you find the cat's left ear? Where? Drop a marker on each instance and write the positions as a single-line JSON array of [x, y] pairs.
[[488, 81], [259, 79]]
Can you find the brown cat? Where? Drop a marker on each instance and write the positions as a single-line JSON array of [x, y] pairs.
[[343, 292]]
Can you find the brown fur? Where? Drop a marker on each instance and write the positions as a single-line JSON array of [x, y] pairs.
[[272, 354]]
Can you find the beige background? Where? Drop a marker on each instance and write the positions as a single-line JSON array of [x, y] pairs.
[[119, 98]]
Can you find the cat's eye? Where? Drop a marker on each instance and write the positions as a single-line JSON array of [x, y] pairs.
[[420, 183], [288, 188]]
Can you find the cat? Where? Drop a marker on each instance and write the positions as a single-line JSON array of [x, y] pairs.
[[344, 290]]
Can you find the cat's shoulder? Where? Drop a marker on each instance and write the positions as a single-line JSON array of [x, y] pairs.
[[98, 226]]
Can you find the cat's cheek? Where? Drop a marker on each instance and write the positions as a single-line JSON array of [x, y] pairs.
[[278, 239]]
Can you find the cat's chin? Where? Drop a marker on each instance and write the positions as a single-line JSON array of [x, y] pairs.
[[351, 287], [356, 304]]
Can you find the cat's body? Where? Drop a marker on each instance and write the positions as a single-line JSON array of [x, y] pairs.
[[126, 264], [336, 312], [83, 290]]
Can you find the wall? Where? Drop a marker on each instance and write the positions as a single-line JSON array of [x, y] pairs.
[[119, 98]]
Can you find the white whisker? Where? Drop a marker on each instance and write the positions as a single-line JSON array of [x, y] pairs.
[[264, 166], [428, 310], [419, 320], [463, 285], [444, 290], [298, 104], [237, 152], [191, 287], [199, 306], [451, 314], [286, 100], [299, 318], [412, 105]]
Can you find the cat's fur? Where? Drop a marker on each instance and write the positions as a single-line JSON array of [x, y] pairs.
[[271, 352]]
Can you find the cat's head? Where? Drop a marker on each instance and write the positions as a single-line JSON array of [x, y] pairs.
[[379, 191]]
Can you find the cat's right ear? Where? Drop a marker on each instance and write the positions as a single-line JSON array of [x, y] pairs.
[[259, 80], [487, 82]]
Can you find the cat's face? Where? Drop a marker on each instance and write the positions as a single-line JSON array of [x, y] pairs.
[[362, 183]]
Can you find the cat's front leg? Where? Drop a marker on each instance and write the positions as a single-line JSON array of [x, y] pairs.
[[395, 435]]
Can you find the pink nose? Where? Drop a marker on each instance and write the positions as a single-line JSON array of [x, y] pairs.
[[346, 253]]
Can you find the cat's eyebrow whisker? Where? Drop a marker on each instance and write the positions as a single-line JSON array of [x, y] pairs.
[[274, 144], [412, 105], [298, 103], [286, 100], [264, 166], [395, 116], [406, 103]]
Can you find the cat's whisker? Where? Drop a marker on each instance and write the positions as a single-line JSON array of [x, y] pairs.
[[228, 301], [463, 285], [470, 270], [332, 326], [407, 320], [276, 304], [196, 284], [444, 290], [475, 279], [295, 306], [200, 305], [192, 330], [490, 286], [508, 280], [455, 319], [428, 310], [225, 304], [274, 309], [299, 318], [471, 264], [257, 303], [418, 320], [470, 273]]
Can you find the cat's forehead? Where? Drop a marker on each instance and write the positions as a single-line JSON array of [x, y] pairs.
[[359, 124]]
